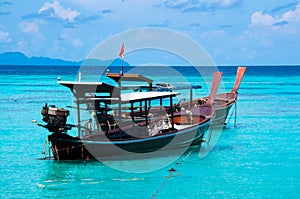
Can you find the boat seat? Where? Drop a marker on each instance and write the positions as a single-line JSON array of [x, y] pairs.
[[112, 126], [106, 123], [183, 117], [221, 99]]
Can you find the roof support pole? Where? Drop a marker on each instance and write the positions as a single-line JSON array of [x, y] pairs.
[[107, 125], [78, 118], [191, 97], [146, 111], [132, 116], [120, 102], [172, 112], [141, 107]]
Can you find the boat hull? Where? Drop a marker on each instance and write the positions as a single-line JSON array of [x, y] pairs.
[[222, 114], [65, 147], [224, 103]]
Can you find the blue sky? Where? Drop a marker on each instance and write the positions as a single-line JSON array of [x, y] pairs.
[[233, 32]]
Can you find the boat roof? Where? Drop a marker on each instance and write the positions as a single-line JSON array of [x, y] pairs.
[[140, 96], [129, 77], [81, 88]]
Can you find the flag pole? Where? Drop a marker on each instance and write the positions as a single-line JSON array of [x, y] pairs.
[[122, 57], [122, 66], [121, 76]]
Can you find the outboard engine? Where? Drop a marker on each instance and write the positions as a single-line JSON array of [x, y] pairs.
[[55, 119]]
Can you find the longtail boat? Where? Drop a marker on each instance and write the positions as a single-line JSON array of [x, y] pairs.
[[225, 101], [112, 123]]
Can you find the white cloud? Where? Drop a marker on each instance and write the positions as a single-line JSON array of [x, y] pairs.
[[288, 20], [271, 34], [292, 15], [5, 37], [200, 5], [29, 27], [57, 11], [263, 19]]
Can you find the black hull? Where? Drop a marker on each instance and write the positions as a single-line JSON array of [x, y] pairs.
[[65, 147]]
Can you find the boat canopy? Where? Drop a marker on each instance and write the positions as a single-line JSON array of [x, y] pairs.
[[140, 96], [130, 77], [81, 88]]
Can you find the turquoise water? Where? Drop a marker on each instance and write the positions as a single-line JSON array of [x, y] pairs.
[[260, 158]]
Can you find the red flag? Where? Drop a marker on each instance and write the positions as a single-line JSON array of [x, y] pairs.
[[121, 51]]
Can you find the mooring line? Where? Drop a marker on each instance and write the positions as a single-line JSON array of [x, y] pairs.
[[171, 171], [231, 114]]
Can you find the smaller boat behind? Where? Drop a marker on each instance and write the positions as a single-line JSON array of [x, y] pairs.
[[224, 101]]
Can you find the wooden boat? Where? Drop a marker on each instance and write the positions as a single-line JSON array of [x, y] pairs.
[[224, 101], [114, 123]]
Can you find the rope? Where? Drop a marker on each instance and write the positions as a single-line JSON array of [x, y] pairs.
[[235, 114], [45, 143], [46, 154], [209, 136], [171, 172], [230, 116]]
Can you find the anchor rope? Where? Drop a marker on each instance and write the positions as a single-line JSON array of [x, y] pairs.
[[209, 136], [232, 111], [235, 114], [171, 172], [45, 144], [44, 152]]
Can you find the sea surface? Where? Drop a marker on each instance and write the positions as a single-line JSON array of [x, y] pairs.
[[259, 158]]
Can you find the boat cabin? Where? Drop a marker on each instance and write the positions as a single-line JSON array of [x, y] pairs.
[[119, 112], [103, 108]]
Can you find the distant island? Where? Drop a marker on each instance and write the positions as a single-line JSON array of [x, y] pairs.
[[18, 58]]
